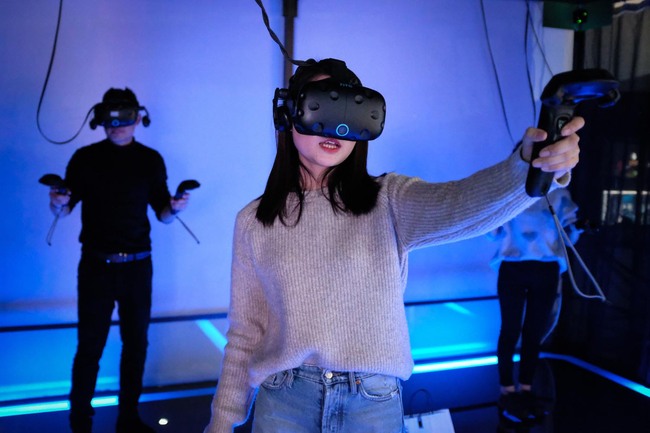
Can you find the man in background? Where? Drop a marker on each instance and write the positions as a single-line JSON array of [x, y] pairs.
[[115, 179]]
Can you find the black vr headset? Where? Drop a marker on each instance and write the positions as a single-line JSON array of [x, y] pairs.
[[118, 108], [330, 108]]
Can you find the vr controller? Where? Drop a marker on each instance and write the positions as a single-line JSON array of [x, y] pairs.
[[560, 98], [54, 181], [332, 109], [185, 185], [112, 115]]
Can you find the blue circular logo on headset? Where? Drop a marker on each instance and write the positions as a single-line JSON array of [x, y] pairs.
[[342, 130]]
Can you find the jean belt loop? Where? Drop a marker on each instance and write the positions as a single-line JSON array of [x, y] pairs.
[[289, 378], [353, 382]]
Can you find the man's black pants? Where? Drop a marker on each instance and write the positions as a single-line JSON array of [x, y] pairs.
[[100, 286]]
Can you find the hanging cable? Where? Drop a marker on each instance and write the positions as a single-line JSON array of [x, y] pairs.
[[496, 74], [531, 91], [537, 40], [531, 25], [50, 232], [47, 79], [564, 241], [188, 229], [265, 17]]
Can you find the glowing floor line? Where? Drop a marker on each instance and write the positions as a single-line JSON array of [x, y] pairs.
[[219, 340]]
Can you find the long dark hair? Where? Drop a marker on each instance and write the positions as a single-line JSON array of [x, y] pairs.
[[349, 186]]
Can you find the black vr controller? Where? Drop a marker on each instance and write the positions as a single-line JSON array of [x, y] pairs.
[[329, 108], [560, 98], [54, 181], [185, 185]]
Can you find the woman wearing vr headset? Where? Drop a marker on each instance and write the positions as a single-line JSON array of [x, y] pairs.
[[318, 335]]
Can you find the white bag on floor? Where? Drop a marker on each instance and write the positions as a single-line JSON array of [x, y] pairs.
[[438, 421]]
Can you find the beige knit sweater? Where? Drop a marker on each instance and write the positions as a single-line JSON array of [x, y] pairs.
[[330, 289]]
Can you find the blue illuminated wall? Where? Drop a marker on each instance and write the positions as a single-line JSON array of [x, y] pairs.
[[206, 70]]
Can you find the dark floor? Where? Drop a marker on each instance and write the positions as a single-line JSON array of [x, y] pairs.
[[580, 402]]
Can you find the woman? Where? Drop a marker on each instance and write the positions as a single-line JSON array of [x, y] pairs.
[[319, 269], [530, 260]]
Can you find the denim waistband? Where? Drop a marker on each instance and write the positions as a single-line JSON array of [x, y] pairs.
[[317, 373], [325, 376]]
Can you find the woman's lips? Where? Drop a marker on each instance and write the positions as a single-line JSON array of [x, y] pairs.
[[330, 144]]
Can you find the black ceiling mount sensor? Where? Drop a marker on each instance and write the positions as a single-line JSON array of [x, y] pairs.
[[561, 96], [186, 185], [578, 15]]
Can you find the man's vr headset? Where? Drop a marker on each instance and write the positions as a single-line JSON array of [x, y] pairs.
[[114, 115], [330, 108]]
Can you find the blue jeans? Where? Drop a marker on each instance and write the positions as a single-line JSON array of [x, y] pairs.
[[309, 399]]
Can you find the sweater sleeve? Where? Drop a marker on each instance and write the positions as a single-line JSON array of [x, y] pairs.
[[437, 213], [247, 320]]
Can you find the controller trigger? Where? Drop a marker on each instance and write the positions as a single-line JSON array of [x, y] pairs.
[[561, 121]]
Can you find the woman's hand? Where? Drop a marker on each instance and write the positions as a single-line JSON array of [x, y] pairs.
[[559, 157]]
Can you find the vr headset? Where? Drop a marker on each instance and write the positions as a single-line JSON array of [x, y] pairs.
[[330, 108], [116, 115]]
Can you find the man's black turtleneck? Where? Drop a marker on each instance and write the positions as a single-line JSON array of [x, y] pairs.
[[115, 185]]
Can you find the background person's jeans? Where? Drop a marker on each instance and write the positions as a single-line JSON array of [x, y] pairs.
[[312, 400]]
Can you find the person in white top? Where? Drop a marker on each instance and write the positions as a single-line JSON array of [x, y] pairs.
[[530, 260]]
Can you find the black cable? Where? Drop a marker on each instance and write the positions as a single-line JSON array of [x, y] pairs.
[[565, 241], [540, 47], [496, 74], [539, 44], [50, 232], [528, 73], [531, 25], [47, 79], [188, 230], [265, 17]]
